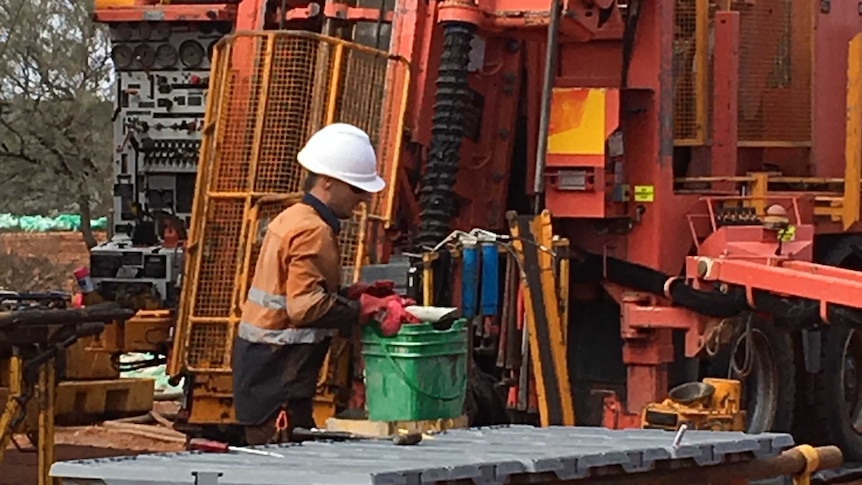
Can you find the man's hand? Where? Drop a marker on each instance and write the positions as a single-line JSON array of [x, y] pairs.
[[388, 311], [379, 289]]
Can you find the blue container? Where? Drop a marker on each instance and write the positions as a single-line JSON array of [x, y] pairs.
[[490, 280], [469, 281]]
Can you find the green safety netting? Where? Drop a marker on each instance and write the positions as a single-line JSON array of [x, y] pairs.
[[62, 222], [156, 373]]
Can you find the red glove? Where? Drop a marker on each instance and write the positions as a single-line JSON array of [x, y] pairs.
[[379, 289], [371, 306], [389, 312]]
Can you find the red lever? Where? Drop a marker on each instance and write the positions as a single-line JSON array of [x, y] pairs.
[[200, 444]]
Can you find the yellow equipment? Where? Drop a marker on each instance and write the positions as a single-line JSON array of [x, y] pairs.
[[713, 404], [21, 391], [30, 340]]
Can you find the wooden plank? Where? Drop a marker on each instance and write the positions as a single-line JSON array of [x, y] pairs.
[[79, 403], [82, 401], [365, 427]]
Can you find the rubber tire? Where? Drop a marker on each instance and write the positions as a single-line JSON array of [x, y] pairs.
[[837, 418], [822, 413], [811, 406], [780, 347]]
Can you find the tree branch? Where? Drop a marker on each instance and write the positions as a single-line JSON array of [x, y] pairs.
[[55, 115]]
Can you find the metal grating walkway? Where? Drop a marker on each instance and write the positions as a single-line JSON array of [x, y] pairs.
[[488, 456]]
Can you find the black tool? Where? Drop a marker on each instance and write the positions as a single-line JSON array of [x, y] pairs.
[[400, 440]]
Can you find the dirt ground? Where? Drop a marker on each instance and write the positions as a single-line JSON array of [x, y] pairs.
[[44, 261], [20, 467]]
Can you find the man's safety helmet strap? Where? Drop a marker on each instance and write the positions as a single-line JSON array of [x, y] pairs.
[[343, 152]]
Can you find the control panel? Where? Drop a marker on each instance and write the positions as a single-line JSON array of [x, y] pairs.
[[161, 78]]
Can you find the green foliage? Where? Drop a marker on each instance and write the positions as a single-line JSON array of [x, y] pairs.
[[55, 109], [60, 223]]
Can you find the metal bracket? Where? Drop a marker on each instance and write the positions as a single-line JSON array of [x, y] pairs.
[[207, 478]]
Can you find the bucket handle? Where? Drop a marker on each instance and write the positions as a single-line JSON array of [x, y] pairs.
[[413, 385]]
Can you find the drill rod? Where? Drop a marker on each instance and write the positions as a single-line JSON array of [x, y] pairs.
[[102, 312]]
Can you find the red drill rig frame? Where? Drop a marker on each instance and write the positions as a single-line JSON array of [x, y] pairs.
[[701, 143]]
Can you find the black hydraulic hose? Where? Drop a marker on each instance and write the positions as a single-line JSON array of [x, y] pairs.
[[642, 278], [792, 312], [451, 104]]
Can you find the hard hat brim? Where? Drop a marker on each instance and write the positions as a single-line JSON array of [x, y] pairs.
[[373, 186]]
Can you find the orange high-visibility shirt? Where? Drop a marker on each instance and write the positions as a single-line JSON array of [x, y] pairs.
[[296, 280]]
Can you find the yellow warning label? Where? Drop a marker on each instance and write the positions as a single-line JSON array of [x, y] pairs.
[[644, 193], [788, 234]]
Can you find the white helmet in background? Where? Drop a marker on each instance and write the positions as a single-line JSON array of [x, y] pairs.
[[343, 152]]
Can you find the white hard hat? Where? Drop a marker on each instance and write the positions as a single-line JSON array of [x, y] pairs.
[[343, 152]]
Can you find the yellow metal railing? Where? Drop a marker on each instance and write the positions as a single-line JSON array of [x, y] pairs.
[[268, 92], [775, 71], [691, 72], [837, 204]]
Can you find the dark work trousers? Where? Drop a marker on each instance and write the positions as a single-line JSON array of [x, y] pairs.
[[268, 379]]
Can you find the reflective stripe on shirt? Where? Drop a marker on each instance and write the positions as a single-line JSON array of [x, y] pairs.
[[251, 333], [267, 300]]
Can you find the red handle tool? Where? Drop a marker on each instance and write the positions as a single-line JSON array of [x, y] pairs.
[[200, 444]]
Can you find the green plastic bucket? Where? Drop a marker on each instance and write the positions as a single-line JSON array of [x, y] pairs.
[[418, 374]]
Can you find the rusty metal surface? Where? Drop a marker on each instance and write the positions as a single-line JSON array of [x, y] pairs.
[[486, 455]]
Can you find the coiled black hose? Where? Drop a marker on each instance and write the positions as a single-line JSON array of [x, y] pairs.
[[451, 104]]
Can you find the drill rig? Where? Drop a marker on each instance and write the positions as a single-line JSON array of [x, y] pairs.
[[701, 157]]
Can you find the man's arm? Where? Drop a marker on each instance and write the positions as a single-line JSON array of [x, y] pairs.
[[308, 302]]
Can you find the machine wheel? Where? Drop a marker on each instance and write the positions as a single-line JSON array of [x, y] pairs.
[[842, 389], [830, 402], [767, 375]]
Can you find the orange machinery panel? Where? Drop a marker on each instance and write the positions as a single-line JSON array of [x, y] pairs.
[[584, 168]]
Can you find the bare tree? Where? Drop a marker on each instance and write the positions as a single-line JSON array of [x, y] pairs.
[[55, 111]]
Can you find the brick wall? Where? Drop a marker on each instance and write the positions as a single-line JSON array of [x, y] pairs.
[[41, 261]]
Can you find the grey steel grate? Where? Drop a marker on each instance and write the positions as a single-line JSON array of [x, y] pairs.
[[485, 455]]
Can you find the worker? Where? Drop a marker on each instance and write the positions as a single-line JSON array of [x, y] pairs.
[[295, 303]]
